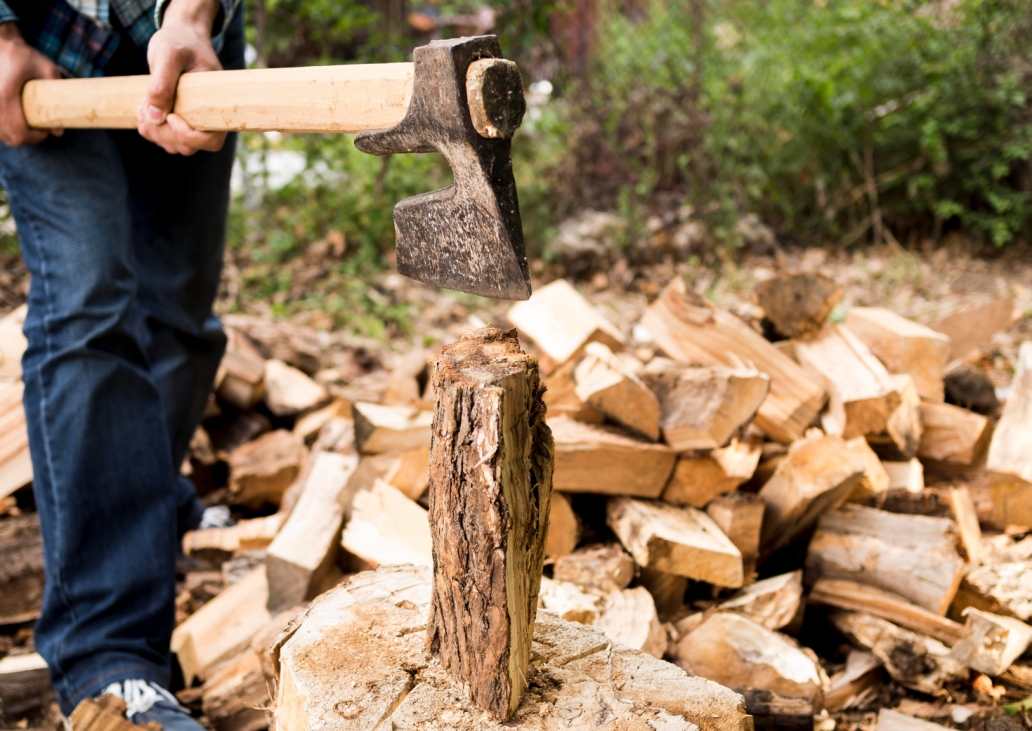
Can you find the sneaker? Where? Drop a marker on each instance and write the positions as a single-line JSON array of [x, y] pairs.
[[146, 701], [217, 516]]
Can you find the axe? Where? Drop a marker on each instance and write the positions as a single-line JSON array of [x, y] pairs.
[[458, 97]]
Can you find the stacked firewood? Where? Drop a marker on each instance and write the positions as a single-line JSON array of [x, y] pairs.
[[728, 489]]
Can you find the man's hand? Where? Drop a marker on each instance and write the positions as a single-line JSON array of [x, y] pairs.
[[20, 62], [182, 44]]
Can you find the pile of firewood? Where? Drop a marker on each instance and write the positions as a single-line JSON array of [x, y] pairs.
[[727, 488]]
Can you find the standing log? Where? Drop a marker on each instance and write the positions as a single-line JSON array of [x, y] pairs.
[[682, 541], [607, 385], [1010, 453], [561, 322], [861, 396], [952, 434], [904, 346], [694, 331], [703, 407], [798, 304], [818, 475], [305, 550], [491, 462], [914, 556]]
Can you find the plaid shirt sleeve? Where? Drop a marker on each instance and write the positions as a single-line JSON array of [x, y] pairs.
[[6, 14], [228, 8]]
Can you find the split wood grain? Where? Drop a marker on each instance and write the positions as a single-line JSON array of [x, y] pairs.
[[410, 472], [894, 721], [700, 478], [15, 461], [772, 603], [975, 326], [382, 428], [904, 346], [968, 528], [24, 685], [260, 471], [600, 460], [605, 384], [561, 396], [240, 380], [106, 713], [852, 685], [907, 475], [861, 396], [561, 322], [289, 391], [914, 556], [696, 332], [677, 540], [902, 437], [704, 407], [305, 550], [876, 478], [667, 591], [1001, 580], [798, 304], [739, 515], [387, 528], [601, 568], [491, 464], [236, 696], [220, 544], [818, 474], [952, 434], [991, 643], [564, 529], [1010, 453], [629, 618]]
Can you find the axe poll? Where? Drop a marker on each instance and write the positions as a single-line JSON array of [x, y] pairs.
[[458, 97]]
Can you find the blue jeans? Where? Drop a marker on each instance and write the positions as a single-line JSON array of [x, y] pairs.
[[124, 243]]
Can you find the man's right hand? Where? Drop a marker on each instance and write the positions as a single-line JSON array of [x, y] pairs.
[[19, 63]]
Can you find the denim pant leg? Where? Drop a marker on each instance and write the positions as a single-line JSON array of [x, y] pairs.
[[104, 478]]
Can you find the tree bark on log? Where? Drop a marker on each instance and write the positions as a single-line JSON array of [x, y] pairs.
[[491, 462]]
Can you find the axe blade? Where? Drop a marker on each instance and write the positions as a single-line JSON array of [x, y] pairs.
[[468, 236]]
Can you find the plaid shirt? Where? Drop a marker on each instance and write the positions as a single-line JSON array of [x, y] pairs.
[[77, 34]]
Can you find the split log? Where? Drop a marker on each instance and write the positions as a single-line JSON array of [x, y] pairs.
[[222, 628], [991, 643], [262, 470], [667, 591], [569, 601], [356, 659], [561, 322], [563, 527], [561, 396], [912, 660], [968, 387], [24, 685], [703, 407], [952, 434], [968, 529], [1001, 580], [893, 721], [682, 541], [699, 478], [914, 556], [216, 545], [818, 475], [410, 473], [381, 429], [876, 478], [904, 346], [599, 460], [629, 618], [907, 476], [851, 686], [386, 528], [491, 463], [408, 381], [21, 569], [739, 515], [305, 550], [1010, 453], [798, 305], [776, 712], [301, 347], [902, 437], [601, 568], [861, 396], [308, 426], [241, 377], [975, 326], [868, 599], [288, 391], [694, 331], [772, 603], [15, 462], [12, 343], [106, 713], [605, 384], [236, 696], [739, 653]]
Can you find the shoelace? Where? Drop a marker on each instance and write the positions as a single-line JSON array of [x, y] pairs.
[[139, 695], [217, 516]]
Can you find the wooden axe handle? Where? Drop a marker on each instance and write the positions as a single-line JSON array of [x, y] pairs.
[[313, 99]]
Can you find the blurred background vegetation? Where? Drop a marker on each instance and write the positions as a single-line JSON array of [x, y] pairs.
[[658, 130]]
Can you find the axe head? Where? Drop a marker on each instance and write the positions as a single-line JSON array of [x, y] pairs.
[[468, 236]]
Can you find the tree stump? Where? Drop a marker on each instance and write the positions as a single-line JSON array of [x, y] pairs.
[[491, 461]]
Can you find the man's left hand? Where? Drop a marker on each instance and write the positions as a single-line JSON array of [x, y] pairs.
[[182, 44]]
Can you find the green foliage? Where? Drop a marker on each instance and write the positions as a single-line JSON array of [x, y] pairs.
[[790, 108]]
